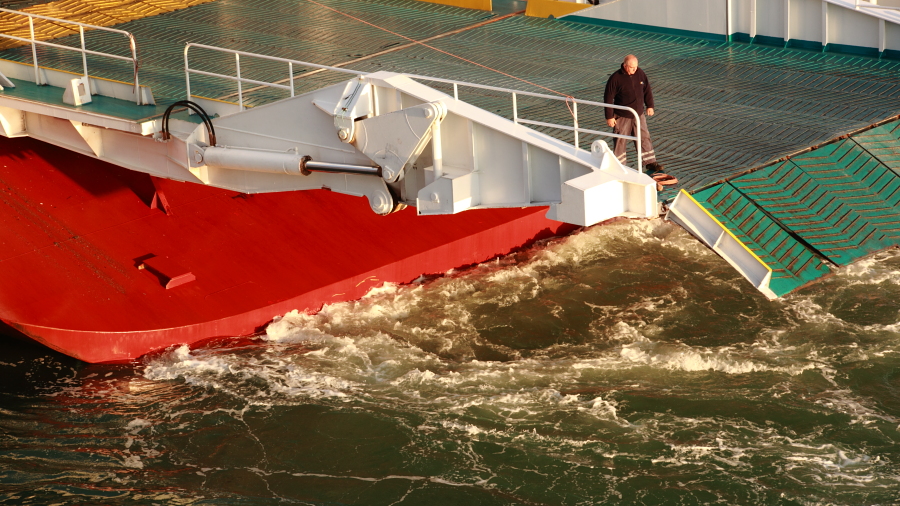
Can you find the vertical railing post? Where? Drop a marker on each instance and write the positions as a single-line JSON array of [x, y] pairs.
[[83, 56], [37, 71], [134, 63], [752, 20], [291, 77], [729, 28], [237, 62], [455, 92], [637, 141], [187, 73], [787, 22], [515, 109], [575, 121]]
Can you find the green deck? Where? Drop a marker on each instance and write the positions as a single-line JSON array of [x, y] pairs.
[[839, 202], [27, 90], [726, 111]]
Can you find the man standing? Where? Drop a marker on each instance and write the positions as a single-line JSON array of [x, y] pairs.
[[630, 87]]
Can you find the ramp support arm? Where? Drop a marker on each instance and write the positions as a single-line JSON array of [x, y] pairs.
[[272, 162]]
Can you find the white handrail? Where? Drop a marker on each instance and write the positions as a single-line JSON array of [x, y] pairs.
[[574, 101], [575, 128], [237, 54], [84, 52]]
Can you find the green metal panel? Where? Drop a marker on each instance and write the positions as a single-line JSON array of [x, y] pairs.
[[838, 198], [883, 142], [792, 263], [99, 104]]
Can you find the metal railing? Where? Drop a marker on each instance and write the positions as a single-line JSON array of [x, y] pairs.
[[575, 128], [241, 80], [84, 51]]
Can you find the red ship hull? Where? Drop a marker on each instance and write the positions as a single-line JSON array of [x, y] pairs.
[[76, 230]]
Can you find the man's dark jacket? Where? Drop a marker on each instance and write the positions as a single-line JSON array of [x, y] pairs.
[[628, 90]]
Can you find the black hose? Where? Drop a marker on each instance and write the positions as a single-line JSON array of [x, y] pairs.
[[200, 112]]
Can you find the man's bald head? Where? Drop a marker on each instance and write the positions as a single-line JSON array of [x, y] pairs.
[[630, 64]]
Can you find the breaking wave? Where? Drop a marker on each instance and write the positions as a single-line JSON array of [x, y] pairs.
[[628, 346]]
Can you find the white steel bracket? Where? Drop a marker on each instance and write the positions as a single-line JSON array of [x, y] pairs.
[[394, 140], [355, 103]]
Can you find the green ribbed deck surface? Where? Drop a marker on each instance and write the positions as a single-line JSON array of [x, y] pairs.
[[840, 201], [839, 198], [792, 264], [722, 108], [283, 28], [883, 142]]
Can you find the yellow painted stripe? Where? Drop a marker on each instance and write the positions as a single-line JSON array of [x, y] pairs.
[[692, 199], [547, 8], [93, 12], [482, 5]]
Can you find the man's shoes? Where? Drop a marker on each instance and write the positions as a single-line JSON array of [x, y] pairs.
[[653, 167]]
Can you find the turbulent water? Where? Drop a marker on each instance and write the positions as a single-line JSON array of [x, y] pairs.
[[623, 364]]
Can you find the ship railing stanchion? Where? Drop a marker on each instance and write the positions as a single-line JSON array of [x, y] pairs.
[[637, 133], [291, 76], [187, 72], [515, 107], [135, 65], [37, 71], [575, 122], [87, 80], [237, 64]]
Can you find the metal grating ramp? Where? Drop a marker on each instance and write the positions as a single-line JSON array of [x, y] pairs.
[[883, 142], [839, 198], [840, 202], [793, 264]]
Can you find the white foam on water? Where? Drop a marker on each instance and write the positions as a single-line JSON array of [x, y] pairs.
[[173, 364], [136, 426], [229, 373], [409, 348], [862, 411], [873, 270]]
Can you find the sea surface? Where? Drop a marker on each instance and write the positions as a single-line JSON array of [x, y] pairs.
[[624, 364]]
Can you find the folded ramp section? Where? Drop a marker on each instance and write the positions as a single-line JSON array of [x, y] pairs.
[[736, 228], [828, 207]]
